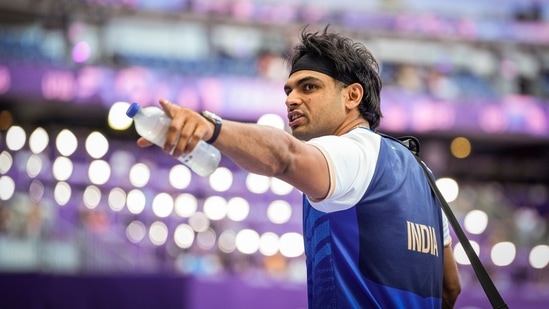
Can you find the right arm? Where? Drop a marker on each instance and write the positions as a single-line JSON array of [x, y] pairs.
[[256, 148]]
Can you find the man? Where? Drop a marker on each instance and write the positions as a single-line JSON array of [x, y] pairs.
[[375, 237]]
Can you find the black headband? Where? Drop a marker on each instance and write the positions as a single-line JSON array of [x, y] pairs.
[[321, 65]]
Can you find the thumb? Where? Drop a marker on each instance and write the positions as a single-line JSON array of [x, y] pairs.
[[142, 142]]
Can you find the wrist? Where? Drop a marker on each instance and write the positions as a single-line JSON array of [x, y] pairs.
[[217, 122]]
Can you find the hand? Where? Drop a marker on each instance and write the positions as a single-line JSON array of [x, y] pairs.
[[186, 130]]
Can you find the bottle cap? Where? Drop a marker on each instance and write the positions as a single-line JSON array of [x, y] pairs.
[[132, 110]]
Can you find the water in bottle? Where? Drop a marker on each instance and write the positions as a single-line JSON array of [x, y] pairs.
[[152, 123]]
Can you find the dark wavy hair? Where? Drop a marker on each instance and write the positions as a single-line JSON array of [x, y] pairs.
[[350, 59]]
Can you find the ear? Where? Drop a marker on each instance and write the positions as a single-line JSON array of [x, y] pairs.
[[353, 95]]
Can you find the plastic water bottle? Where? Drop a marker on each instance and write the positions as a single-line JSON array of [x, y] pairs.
[[152, 123]]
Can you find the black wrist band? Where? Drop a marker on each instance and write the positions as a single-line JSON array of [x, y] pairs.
[[216, 120]]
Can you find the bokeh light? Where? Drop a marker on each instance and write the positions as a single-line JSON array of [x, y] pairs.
[[279, 212], [475, 221], [184, 236], [449, 188], [15, 138], [7, 187], [238, 209], [185, 205], [257, 183], [96, 145], [162, 205], [38, 140], [247, 241], [117, 118], [221, 179], [66, 142], [503, 253], [140, 174], [461, 255], [99, 172]]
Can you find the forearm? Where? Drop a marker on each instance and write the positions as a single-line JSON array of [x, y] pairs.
[[451, 283], [257, 148]]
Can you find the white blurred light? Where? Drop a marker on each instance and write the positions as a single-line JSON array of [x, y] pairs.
[[117, 199], [280, 187], [99, 172], [15, 138], [503, 253], [162, 205], [237, 209], [227, 241], [158, 233], [449, 188], [268, 244], [297, 271], [38, 140], [136, 231], [206, 239], [34, 166], [91, 197], [539, 256], [257, 183], [136, 201], [186, 205], [6, 161], [7, 187], [66, 142], [221, 179], [215, 208], [97, 145], [272, 120], [140, 174], [199, 222], [247, 241], [117, 118], [36, 191], [184, 236], [62, 168], [291, 245], [461, 256], [475, 221], [62, 193], [180, 176], [279, 212]]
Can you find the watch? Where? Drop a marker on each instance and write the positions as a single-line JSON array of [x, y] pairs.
[[216, 120]]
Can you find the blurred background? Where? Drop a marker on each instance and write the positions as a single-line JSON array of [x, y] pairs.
[[88, 220]]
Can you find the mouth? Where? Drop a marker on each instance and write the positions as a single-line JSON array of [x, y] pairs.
[[295, 118]]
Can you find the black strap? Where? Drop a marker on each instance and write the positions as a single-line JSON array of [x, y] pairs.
[[493, 295], [490, 289]]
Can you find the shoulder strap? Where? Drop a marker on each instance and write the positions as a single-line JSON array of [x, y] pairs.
[[491, 291]]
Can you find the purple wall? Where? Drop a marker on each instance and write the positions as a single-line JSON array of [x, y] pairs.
[[41, 291]]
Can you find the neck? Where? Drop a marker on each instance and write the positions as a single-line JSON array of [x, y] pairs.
[[358, 123]]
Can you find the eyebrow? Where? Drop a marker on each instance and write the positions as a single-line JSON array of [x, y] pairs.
[[302, 81]]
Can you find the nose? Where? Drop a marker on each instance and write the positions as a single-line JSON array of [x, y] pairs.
[[292, 100]]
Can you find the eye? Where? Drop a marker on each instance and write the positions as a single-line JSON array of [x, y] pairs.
[[287, 90], [309, 87]]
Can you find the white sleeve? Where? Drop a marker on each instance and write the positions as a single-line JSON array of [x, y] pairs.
[[446, 230], [351, 161]]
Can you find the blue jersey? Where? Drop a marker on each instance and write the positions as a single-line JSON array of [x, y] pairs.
[[384, 249]]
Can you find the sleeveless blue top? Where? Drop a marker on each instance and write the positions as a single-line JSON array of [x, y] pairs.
[[384, 251]]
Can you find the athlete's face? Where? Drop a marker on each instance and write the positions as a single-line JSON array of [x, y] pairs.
[[315, 103]]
